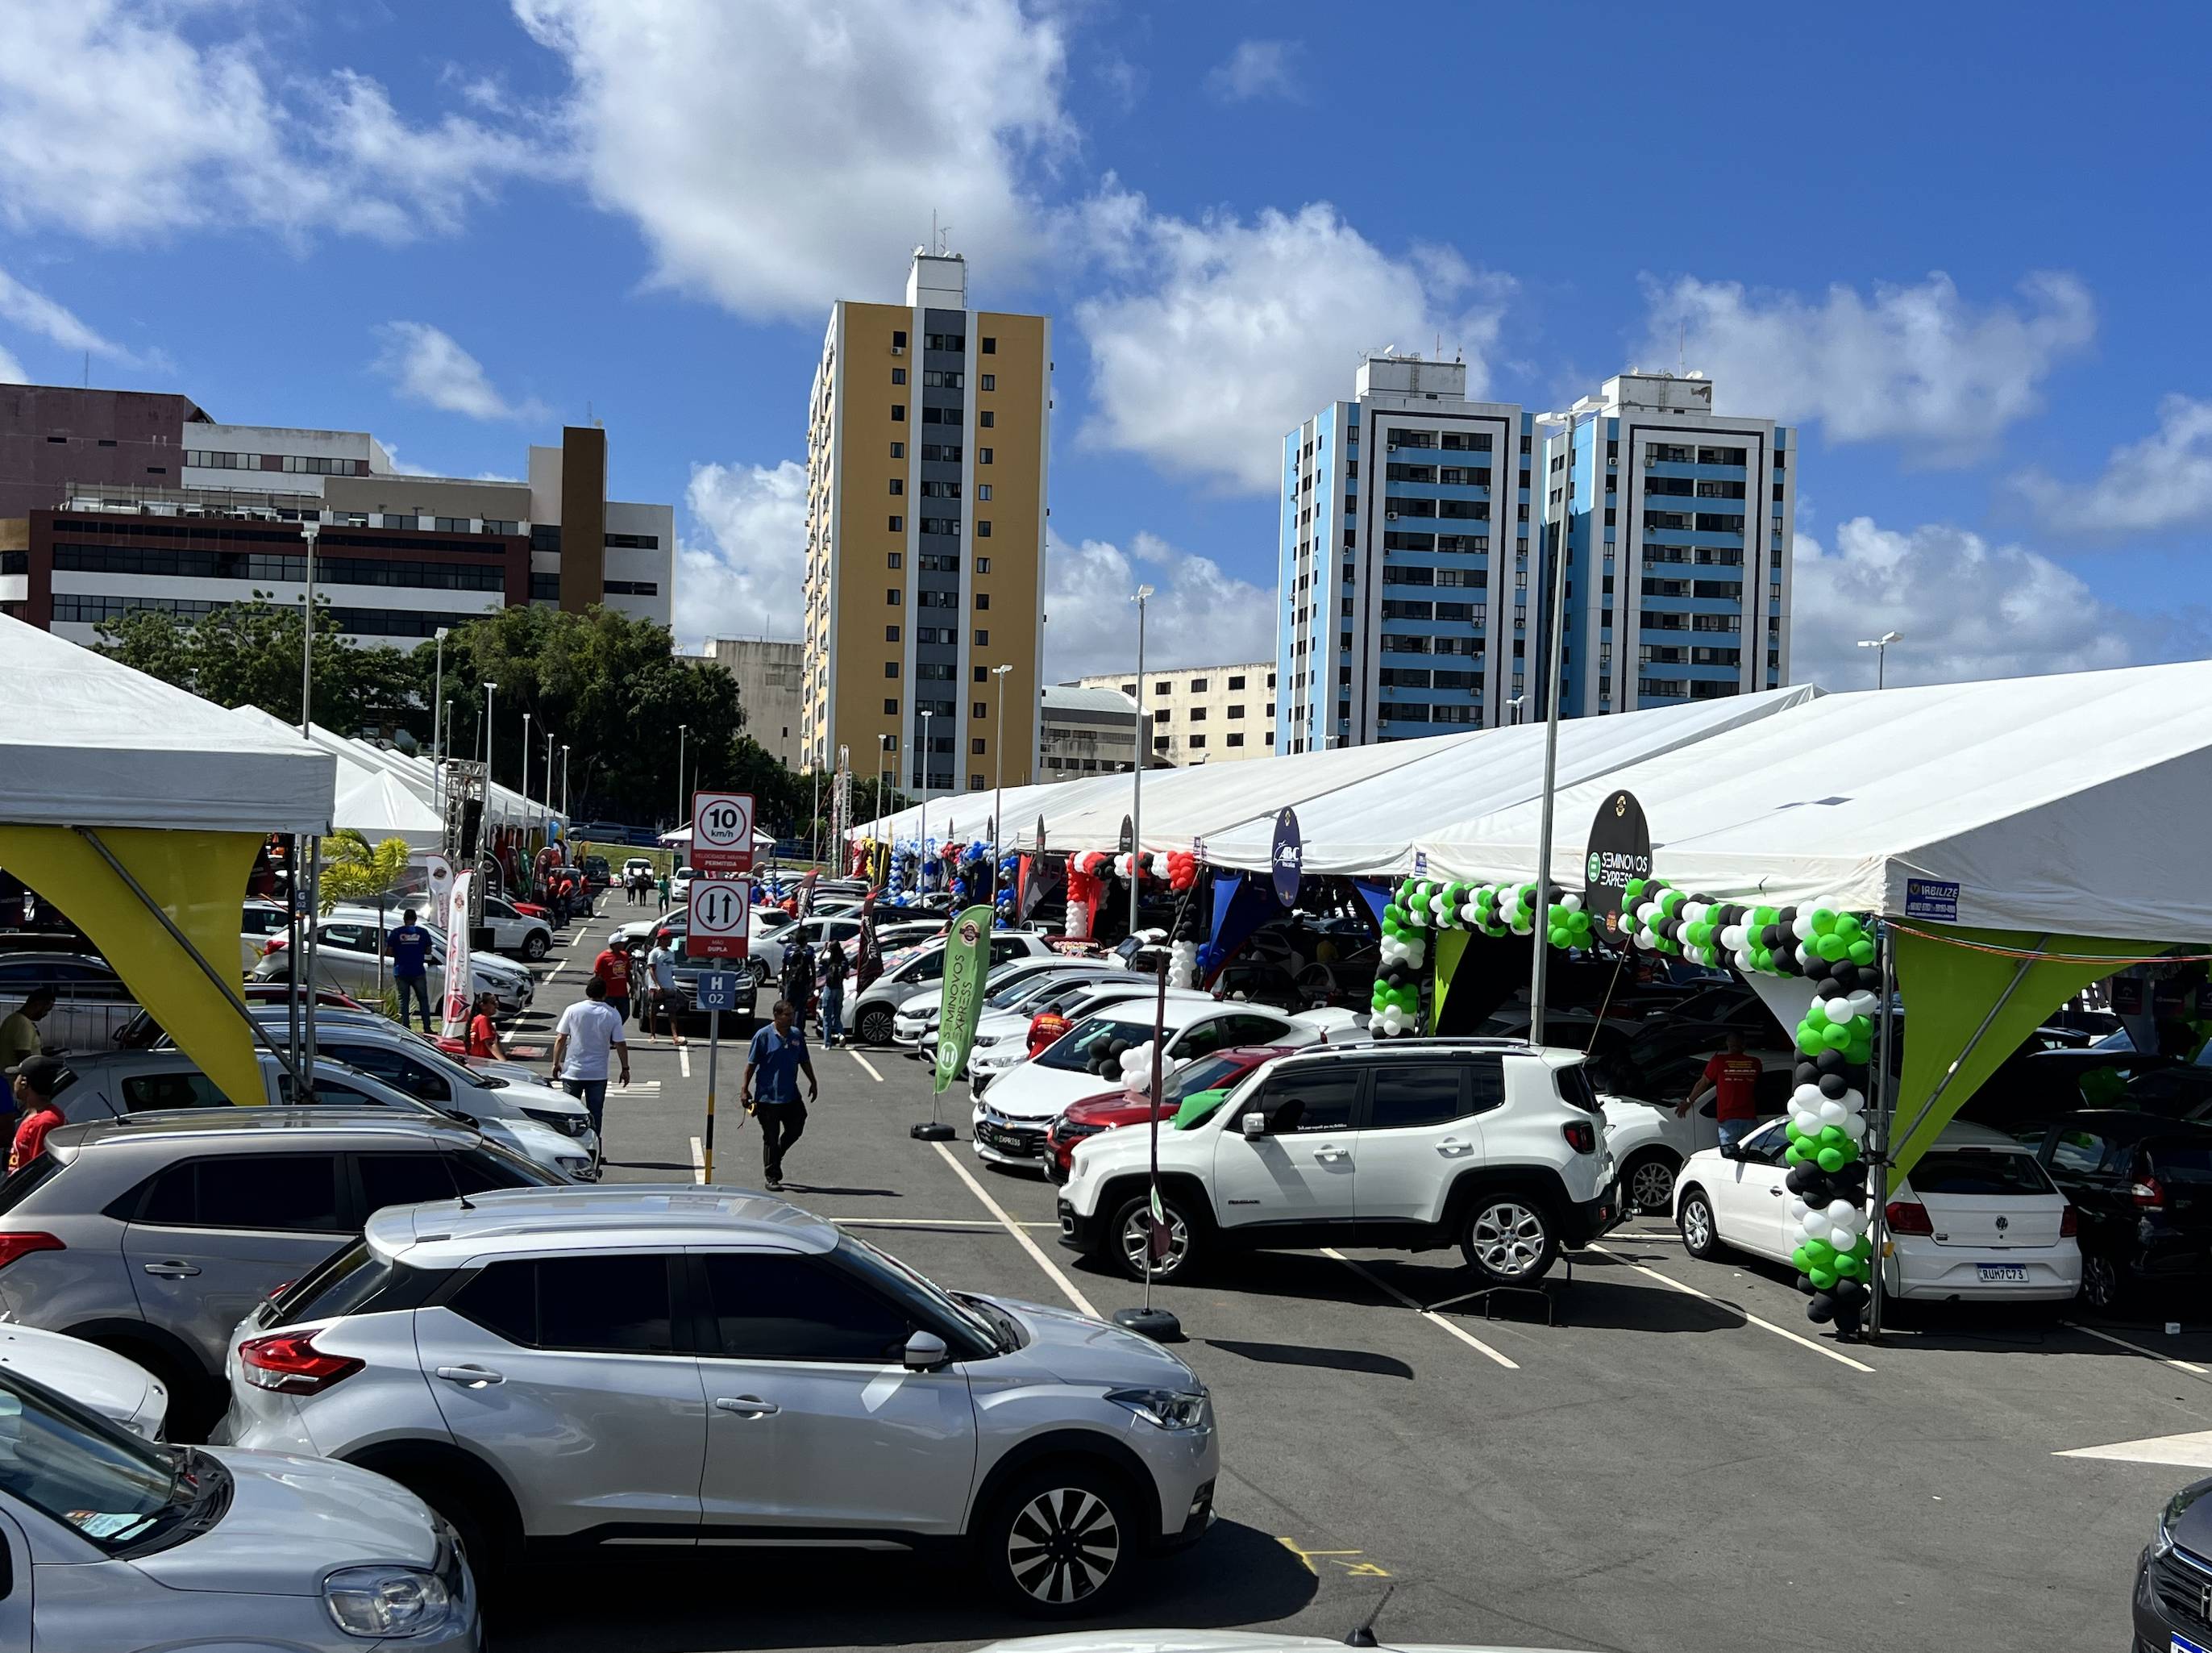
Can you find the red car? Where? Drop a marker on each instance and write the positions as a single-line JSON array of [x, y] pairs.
[[1110, 1108]]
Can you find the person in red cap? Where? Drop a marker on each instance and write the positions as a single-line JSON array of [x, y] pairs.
[[36, 1081]]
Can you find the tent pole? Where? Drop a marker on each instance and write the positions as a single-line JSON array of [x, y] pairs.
[[260, 1034], [1884, 1101], [2004, 998]]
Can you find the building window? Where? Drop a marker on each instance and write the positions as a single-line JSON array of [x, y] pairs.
[[1236, 683], [990, 382], [898, 450], [1237, 711], [982, 491], [890, 710], [975, 747], [890, 634], [1197, 742], [981, 710], [895, 559], [987, 419], [898, 375], [982, 673], [982, 600], [896, 524], [898, 412], [1198, 714], [982, 639], [982, 456], [983, 530], [892, 597], [982, 565], [991, 347], [891, 668], [1198, 686], [898, 339]]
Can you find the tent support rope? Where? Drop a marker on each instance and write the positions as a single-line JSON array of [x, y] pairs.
[[2018, 975], [2036, 955], [252, 1026]]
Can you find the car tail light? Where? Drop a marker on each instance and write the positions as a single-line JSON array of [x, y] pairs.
[[1907, 1216], [1581, 1134], [290, 1363], [2070, 1224], [15, 1246], [274, 944], [2148, 1194]]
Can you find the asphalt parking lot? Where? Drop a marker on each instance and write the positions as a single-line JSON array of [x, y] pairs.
[[1679, 1462]]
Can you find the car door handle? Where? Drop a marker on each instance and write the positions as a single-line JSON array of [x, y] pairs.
[[1330, 1150], [172, 1271], [1455, 1146], [471, 1377], [747, 1406], [1776, 1193]]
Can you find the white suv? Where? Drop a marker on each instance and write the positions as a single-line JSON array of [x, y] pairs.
[[691, 1366], [1493, 1145]]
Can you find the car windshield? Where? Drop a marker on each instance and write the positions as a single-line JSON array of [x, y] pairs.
[[1027, 991], [917, 1293], [1073, 1051], [112, 1488]]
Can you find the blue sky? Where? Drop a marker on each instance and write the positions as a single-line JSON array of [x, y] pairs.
[[1961, 247]]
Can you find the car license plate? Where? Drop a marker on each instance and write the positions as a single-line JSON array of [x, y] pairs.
[[2182, 1644], [2010, 1273]]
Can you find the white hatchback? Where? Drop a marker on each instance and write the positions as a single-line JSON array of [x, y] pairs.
[[1977, 1217]]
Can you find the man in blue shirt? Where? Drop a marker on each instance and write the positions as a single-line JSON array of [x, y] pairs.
[[778, 1056], [408, 943]]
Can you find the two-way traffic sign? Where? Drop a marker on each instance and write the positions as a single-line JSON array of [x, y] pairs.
[[721, 916]]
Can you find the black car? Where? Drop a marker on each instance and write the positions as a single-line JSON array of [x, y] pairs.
[[2142, 1184], [2173, 1579]]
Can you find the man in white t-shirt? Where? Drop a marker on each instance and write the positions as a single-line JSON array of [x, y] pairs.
[[588, 1032]]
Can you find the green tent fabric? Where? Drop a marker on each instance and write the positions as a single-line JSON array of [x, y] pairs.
[[1948, 989], [1451, 947]]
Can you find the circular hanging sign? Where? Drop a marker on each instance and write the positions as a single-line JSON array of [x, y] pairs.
[[1289, 859], [1619, 849]]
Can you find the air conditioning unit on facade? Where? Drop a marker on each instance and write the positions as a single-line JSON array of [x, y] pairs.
[[898, 350]]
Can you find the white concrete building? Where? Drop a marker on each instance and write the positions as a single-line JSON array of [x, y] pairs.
[[1203, 714]]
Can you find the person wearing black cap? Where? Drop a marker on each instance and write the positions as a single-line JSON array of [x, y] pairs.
[[36, 1083]]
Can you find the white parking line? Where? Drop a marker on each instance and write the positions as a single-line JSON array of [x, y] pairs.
[[698, 1160], [1457, 1331], [1835, 1354], [1067, 1286], [2149, 1354], [683, 1059], [554, 972], [866, 1064]]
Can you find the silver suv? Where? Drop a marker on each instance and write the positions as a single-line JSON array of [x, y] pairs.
[[690, 1366], [109, 1544], [153, 1235]]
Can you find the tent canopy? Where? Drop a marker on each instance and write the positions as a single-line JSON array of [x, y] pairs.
[[90, 742], [371, 798]]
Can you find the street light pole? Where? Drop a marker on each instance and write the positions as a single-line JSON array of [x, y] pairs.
[[1880, 647], [525, 783], [682, 735], [438, 731], [1143, 752], [999, 776], [305, 956], [549, 786], [565, 815], [922, 837], [485, 822], [1554, 652]]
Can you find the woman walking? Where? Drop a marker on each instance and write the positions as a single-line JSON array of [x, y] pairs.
[[834, 970]]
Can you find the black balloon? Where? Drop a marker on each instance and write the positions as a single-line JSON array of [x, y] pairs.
[[1829, 1061], [1821, 1309], [1834, 1085], [1828, 987], [1807, 1074], [1849, 1294], [1804, 1282]]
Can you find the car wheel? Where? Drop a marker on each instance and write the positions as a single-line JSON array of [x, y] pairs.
[[1647, 1184], [1131, 1234], [1059, 1545], [1701, 1237], [536, 945], [759, 974], [2101, 1282], [1509, 1239], [874, 1026]]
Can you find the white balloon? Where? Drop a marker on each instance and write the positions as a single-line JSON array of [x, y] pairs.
[[1798, 1208], [1743, 959], [1802, 926], [1805, 1096], [1841, 1238], [1853, 1102], [1844, 1214], [1807, 1123], [1863, 1002], [1838, 1009], [1831, 1113], [1732, 936], [1855, 1127], [1815, 1225]]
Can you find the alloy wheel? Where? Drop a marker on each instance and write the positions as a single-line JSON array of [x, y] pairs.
[[2100, 1283], [1064, 1546], [1697, 1224], [1651, 1188], [1507, 1239], [1136, 1238]]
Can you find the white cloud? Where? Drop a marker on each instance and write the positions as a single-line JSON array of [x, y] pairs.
[[749, 581], [35, 313], [2164, 481], [1964, 608], [11, 370], [781, 154], [121, 121], [1257, 69], [1225, 334], [1200, 615], [1918, 365], [425, 365]]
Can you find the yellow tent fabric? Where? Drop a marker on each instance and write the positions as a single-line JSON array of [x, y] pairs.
[[1451, 944], [1950, 988], [198, 879]]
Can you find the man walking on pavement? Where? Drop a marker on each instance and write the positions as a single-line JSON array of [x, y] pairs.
[[834, 971], [799, 978], [663, 892], [1733, 1077], [408, 943], [661, 999], [778, 1056], [612, 971], [36, 1082], [587, 1032]]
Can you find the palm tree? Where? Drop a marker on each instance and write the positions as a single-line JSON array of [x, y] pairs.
[[353, 870]]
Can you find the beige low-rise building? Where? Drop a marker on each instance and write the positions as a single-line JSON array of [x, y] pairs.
[[1203, 714]]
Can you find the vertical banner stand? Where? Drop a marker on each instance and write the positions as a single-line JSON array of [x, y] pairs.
[[1158, 1324]]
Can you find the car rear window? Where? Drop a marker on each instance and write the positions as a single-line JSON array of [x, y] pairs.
[[338, 1285], [1574, 1087], [40, 1172], [2181, 1161], [1980, 1171]]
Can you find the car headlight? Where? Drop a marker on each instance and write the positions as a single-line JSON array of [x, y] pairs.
[[1175, 1409], [987, 1039], [388, 1601], [573, 1167]]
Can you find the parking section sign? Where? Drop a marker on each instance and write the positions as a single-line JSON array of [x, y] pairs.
[[721, 833], [721, 911]]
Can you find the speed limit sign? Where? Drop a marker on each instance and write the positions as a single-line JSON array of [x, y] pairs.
[[721, 833], [720, 916]]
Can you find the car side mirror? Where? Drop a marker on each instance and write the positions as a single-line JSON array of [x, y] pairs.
[[1254, 1126], [926, 1352], [1729, 1150]]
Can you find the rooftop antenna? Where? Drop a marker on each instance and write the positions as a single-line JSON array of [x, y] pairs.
[[1363, 1633]]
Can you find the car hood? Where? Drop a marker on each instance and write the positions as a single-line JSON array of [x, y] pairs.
[[2191, 1524], [1031, 1091], [115, 1387], [541, 1144], [534, 1092], [1110, 1107], [1074, 1348], [291, 1521]]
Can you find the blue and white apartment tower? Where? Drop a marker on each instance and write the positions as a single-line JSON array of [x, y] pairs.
[[1678, 540], [1406, 565], [1405, 511]]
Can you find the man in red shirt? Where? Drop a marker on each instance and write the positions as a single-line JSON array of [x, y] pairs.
[[612, 967], [37, 1083], [1733, 1077]]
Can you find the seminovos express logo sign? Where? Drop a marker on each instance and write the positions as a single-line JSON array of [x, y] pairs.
[[1619, 849]]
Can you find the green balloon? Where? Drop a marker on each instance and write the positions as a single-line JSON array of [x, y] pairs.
[[1862, 951], [1831, 1136], [1849, 1267], [1820, 1251], [1796, 1154], [1809, 1041], [1831, 946], [1633, 891], [1561, 935], [1835, 1038], [1799, 1262], [1832, 1159], [1824, 920], [1816, 1015], [1822, 1278], [1848, 925]]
